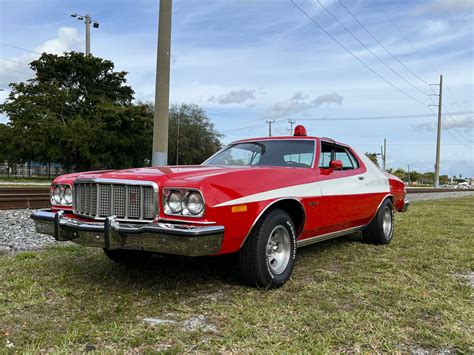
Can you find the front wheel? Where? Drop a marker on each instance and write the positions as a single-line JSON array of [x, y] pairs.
[[380, 230], [267, 256]]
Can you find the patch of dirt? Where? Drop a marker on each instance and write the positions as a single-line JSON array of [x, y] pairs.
[[198, 322], [468, 277]]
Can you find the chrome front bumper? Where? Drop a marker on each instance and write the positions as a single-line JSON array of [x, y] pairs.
[[179, 239]]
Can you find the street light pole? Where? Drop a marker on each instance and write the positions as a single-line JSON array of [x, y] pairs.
[[87, 20], [162, 88], [88, 35]]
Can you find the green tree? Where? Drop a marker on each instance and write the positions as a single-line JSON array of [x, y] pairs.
[[198, 138], [56, 115], [79, 112], [401, 174], [443, 179], [415, 176], [373, 157], [427, 178]]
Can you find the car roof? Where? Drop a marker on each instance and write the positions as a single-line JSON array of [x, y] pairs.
[[325, 139]]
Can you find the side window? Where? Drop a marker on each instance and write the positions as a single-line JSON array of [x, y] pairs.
[[326, 155], [355, 163], [301, 159], [349, 162]]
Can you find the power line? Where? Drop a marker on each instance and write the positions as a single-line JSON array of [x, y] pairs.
[[449, 132], [230, 115], [427, 115], [20, 48], [381, 44], [366, 47], [408, 40], [450, 124], [37, 76], [353, 55], [14, 61], [419, 54], [360, 118]]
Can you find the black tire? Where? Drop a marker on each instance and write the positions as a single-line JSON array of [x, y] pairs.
[[128, 257], [380, 229], [267, 257]]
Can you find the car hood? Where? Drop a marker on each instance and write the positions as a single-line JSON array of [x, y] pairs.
[[185, 172], [218, 183]]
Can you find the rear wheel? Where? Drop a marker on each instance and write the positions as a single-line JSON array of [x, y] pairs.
[[380, 230], [267, 256], [128, 257]]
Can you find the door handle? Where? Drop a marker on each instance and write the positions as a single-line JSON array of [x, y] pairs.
[[361, 177]]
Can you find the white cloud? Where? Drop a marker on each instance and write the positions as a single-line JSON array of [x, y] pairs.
[[68, 39], [334, 98], [15, 69], [435, 26], [463, 122], [234, 97], [300, 103], [444, 6], [298, 96]]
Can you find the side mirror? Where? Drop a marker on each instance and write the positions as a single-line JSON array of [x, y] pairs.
[[335, 164]]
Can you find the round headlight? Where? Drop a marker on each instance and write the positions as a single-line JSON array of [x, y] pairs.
[[57, 195], [68, 195], [195, 203], [175, 202]]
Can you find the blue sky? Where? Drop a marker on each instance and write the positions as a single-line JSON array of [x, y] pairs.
[[247, 61]]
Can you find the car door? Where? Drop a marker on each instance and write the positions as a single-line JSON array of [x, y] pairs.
[[341, 189]]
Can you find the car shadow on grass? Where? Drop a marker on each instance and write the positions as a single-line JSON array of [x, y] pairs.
[[169, 272]]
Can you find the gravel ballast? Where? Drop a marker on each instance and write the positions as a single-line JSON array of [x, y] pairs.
[[438, 195], [17, 231]]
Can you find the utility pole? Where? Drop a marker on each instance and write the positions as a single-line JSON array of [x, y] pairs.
[[87, 19], [177, 141], [383, 154], [162, 88], [438, 136], [88, 35], [291, 122], [270, 127], [409, 180]]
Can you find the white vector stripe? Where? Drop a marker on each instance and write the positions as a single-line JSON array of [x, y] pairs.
[[374, 182]]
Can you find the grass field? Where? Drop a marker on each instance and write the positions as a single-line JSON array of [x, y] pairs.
[[344, 296]]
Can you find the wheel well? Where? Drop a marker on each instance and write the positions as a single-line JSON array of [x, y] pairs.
[[295, 210]]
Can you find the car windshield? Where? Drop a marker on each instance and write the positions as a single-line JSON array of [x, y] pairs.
[[293, 153]]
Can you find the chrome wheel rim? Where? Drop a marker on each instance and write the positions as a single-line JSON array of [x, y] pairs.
[[278, 249], [387, 221]]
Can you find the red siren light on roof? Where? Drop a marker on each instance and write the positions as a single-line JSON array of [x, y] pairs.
[[300, 131]]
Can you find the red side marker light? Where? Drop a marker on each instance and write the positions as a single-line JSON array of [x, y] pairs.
[[300, 131]]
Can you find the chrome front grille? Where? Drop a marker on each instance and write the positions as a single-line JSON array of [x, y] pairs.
[[128, 200]]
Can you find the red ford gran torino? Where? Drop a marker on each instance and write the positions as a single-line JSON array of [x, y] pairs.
[[261, 198]]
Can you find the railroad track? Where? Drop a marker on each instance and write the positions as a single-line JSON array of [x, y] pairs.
[[427, 190], [38, 197], [31, 197]]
